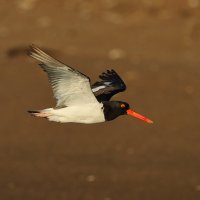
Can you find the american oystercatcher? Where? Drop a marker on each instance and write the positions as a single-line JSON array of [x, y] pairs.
[[77, 100]]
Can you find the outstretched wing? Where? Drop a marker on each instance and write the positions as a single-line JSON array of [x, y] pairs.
[[70, 87], [110, 85]]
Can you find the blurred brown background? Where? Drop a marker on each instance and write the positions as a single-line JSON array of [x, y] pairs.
[[155, 46]]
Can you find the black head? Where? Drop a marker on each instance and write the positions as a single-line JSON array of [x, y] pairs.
[[113, 109]]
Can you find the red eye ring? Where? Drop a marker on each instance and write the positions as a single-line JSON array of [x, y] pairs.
[[122, 106]]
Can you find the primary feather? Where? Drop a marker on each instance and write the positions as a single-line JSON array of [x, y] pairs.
[[70, 87], [110, 84]]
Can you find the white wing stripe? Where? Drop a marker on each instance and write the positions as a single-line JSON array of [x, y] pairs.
[[98, 88]]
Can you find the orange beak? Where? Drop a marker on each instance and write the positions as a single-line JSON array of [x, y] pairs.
[[137, 115]]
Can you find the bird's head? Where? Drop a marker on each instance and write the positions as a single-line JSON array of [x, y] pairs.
[[113, 109]]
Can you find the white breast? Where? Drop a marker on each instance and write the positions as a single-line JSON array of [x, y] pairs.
[[86, 113]]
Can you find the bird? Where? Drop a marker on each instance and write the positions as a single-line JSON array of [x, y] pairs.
[[77, 100]]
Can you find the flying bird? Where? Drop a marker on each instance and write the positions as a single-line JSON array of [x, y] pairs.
[[77, 100]]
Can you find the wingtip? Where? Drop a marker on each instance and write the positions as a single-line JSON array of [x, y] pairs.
[[33, 46], [38, 54], [32, 49]]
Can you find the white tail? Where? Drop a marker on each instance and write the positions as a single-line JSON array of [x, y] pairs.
[[41, 113]]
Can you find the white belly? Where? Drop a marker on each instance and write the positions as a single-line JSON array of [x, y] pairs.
[[88, 114]]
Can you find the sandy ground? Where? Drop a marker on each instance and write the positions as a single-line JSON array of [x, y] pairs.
[[155, 46]]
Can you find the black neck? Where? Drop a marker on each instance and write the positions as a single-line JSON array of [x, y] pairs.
[[111, 111]]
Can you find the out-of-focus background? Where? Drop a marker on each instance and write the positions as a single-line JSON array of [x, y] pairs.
[[155, 46]]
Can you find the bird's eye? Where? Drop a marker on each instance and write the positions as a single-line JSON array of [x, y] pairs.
[[123, 106]]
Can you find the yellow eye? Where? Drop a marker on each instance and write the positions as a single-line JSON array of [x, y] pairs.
[[123, 106]]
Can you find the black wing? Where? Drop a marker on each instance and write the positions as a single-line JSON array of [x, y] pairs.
[[110, 85]]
